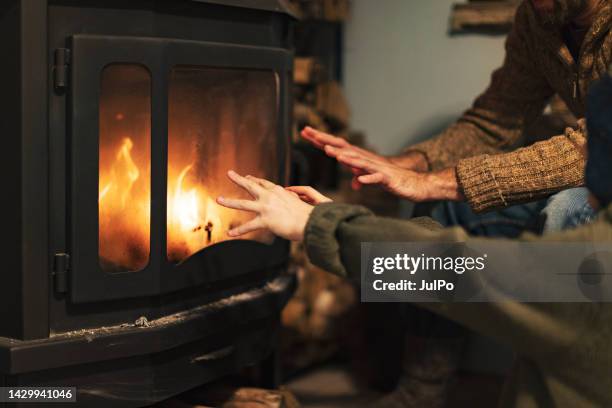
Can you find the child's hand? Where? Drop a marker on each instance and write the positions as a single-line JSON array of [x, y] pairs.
[[278, 210], [309, 195]]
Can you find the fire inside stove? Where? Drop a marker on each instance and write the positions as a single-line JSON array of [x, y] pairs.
[[218, 119]]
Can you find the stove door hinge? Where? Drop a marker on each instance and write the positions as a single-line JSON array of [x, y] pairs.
[[60, 68], [61, 266]]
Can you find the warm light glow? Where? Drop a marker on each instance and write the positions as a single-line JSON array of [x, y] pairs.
[[123, 209], [194, 221], [217, 120], [124, 182], [193, 216], [123, 174], [185, 204]]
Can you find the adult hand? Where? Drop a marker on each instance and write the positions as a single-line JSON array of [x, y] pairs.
[[278, 210], [408, 184], [309, 195], [335, 146]]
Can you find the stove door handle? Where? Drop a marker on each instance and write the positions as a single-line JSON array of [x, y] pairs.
[[214, 355]]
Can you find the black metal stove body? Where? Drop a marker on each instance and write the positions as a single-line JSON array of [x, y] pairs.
[[130, 337]]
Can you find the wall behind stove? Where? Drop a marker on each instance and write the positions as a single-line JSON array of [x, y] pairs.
[[406, 79], [404, 76]]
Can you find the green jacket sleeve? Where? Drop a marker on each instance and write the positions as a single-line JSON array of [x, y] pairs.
[[334, 234], [333, 239]]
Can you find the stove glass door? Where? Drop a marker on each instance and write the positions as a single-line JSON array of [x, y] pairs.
[[124, 180], [155, 125], [219, 119]]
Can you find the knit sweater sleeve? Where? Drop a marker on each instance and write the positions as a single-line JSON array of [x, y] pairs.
[[527, 174], [515, 97]]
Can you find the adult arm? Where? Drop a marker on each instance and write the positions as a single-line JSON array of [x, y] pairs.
[[515, 97], [475, 144]]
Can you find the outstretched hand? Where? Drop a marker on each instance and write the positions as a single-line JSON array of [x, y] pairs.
[[309, 195], [408, 184], [278, 210], [334, 146], [404, 183], [337, 147]]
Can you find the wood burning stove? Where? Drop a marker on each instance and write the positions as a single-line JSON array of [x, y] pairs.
[[121, 118]]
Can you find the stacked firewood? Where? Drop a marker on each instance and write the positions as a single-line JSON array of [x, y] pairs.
[[319, 101], [312, 318], [322, 311], [315, 317]]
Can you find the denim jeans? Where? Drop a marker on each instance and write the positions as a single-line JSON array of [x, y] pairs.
[[568, 209], [564, 210], [509, 222]]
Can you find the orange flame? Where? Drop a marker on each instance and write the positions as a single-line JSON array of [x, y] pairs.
[[194, 219], [211, 129], [124, 173], [123, 210], [185, 204]]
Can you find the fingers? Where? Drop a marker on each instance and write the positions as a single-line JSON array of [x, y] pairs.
[[332, 151], [250, 226], [320, 139], [335, 152], [375, 178], [262, 182], [355, 184], [356, 171], [357, 162], [308, 194], [250, 186], [310, 138], [306, 199], [304, 190], [245, 205]]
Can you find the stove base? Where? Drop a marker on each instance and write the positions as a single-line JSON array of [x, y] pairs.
[[129, 366]]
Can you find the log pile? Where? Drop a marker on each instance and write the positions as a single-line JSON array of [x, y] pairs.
[[315, 317], [324, 307], [319, 102]]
